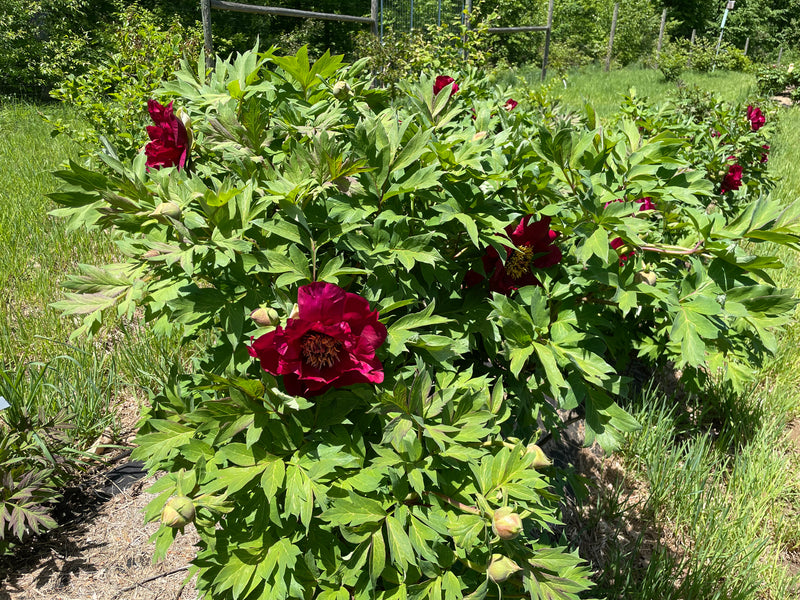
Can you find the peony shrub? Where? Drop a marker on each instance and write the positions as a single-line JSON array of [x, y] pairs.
[[396, 301]]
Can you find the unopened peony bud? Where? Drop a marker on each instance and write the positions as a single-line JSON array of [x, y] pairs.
[[506, 523], [295, 312], [539, 457], [647, 277], [341, 90], [791, 68], [178, 512], [151, 254], [187, 124], [264, 317], [167, 209], [501, 568]]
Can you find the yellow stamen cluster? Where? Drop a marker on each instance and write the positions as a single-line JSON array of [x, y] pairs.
[[320, 350], [520, 262]]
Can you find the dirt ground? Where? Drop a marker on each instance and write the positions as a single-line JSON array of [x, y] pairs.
[[104, 555]]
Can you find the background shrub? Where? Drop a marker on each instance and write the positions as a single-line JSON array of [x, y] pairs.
[[111, 94]]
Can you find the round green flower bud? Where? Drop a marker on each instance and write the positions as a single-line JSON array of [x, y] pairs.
[[506, 523], [264, 317], [167, 209], [178, 512], [647, 277], [341, 90], [501, 568]]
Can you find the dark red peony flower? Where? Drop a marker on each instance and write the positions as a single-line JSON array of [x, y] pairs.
[[533, 248], [732, 180], [765, 155], [169, 140], [616, 244], [330, 343], [715, 133], [756, 118], [510, 104], [646, 203], [443, 81]]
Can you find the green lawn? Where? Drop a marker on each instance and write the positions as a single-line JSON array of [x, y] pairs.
[[605, 90], [36, 252]]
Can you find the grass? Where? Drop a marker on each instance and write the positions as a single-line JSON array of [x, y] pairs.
[[722, 480], [36, 252], [605, 90], [35, 248]]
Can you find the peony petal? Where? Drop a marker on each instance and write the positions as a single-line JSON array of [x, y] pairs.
[[322, 302]]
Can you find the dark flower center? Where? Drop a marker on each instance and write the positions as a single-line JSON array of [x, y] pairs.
[[320, 350], [520, 262]]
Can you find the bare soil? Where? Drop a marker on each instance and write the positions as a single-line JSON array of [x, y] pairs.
[[104, 555]]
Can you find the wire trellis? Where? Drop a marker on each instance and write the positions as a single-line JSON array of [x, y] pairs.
[[407, 15]]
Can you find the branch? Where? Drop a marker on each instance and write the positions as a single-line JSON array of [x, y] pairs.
[[465, 507], [148, 580], [675, 250]]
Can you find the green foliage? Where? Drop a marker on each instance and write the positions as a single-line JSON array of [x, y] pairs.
[[109, 97], [672, 63], [401, 56], [700, 56], [772, 79], [581, 31], [388, 490], [41, 41], [54, 411]]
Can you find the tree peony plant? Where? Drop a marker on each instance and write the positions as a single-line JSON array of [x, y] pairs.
[[423, 293]]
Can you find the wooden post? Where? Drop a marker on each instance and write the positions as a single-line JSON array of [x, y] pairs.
[[205, 11], [691, 49], [780, 54], [373, 12], [746, 44], [611, 36], [661, 33], [546, 55]]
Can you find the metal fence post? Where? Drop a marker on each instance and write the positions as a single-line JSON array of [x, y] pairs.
[[546, 54]]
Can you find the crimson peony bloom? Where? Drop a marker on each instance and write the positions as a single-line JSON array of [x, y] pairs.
[[732, 180], [330, 343], [443, 81], [510, 104], [616, 244], [169, 140], [756, 118], [646, 203], [533, 248]]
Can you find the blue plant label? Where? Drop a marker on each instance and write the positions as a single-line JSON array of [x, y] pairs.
[[3, 403]]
